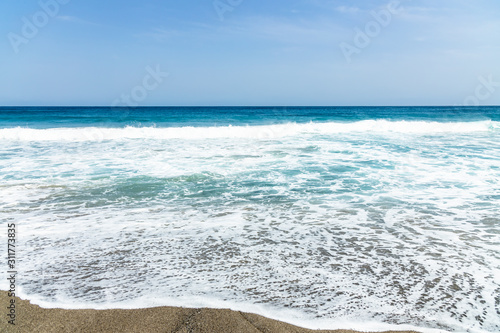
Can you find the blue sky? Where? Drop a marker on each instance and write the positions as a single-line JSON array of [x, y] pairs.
[[247, 52]]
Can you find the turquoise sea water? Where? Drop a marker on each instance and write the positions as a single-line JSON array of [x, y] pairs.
[[323, 217]]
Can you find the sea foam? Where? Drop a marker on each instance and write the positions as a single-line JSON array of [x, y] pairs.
[[251, 132]]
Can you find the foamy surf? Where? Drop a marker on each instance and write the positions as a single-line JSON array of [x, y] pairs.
[[244, 132]]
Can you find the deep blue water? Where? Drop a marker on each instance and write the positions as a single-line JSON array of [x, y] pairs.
[[47, 117]]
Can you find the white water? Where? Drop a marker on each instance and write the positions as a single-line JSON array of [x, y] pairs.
[[251, 132], [325, 225]]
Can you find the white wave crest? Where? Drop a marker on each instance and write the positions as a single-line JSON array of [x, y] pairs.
[[250, 132]]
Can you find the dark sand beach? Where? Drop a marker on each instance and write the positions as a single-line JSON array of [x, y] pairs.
[[32, 318]]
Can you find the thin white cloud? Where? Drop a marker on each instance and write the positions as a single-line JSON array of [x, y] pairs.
[[74, 19], [278, 29], [421, 14], [160, 34], [286, 30], [347, 9]]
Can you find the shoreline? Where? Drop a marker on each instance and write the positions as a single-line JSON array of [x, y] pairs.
[[33, 318]]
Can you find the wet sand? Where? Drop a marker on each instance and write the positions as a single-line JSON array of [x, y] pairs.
[[31, 318]]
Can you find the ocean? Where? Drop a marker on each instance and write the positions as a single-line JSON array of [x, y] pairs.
[[324, 217]]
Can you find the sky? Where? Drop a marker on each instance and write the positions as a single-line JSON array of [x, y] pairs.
[[249, 52]]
